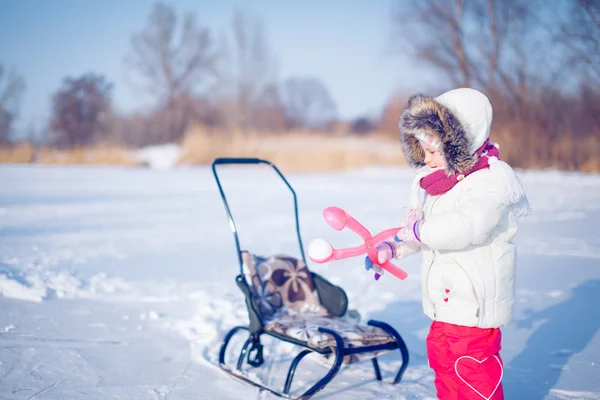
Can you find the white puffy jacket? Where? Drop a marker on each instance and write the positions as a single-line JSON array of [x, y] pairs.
[[469, 259]]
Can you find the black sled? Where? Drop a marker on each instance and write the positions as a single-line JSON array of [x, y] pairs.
[[290, 303]]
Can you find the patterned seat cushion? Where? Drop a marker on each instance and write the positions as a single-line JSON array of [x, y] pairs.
[[304, 327], [281, 283]]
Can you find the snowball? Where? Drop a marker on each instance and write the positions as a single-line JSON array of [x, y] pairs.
[[319, 250]]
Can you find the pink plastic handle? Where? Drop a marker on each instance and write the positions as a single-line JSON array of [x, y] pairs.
[[338, 219], [394, 270]]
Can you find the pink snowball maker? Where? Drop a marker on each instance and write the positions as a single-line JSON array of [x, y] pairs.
[[320, 251]]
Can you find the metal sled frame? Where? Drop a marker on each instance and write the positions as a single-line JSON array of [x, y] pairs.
[[252, 350]]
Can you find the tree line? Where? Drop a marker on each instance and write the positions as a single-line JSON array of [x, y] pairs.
[[191, 76], [538, 61]]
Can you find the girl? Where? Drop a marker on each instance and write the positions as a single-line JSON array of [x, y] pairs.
[[464, 228]]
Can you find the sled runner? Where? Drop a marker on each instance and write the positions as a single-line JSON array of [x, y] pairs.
[[288, 302]]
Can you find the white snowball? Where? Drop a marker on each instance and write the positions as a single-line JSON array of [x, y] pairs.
[[319, 249]]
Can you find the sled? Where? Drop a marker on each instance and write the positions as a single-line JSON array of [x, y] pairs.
[[288, 302]]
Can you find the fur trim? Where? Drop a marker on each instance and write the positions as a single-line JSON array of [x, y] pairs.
[[425, 115]]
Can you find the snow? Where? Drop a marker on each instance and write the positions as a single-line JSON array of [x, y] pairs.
[[160, 156], [119, 282]]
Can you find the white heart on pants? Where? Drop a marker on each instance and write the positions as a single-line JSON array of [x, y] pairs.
[[479, 362]]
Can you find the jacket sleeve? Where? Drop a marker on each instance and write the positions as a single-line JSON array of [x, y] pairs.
[[478, 212]]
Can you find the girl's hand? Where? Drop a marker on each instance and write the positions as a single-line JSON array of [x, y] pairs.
[[411, 223], [411, 215], [385, 252]]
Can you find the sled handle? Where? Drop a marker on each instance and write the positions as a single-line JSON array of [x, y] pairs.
[[226, 160], [242, 160]]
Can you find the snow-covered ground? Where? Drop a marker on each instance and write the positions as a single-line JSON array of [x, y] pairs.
[[119, 283]]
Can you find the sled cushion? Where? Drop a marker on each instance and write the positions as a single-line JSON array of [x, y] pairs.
[[280, 283], [302, 328]]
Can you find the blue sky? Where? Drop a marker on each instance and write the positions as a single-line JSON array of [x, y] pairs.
[[345, 43]]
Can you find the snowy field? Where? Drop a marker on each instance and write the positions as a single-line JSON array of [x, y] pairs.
[[119, 283]]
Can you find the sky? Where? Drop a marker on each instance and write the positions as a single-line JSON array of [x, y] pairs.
[[344, 43]]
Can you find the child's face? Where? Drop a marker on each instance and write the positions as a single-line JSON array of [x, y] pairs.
[[433, 158]]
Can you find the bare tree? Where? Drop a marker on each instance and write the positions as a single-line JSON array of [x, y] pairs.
[[247, 76], [537, 60], [80, 109], [575, 28], [12, 87], [363, 126], [388, 123], [269, 113], [509, 47], [434, 31], [173, 62], [307, 104], [476, 43]]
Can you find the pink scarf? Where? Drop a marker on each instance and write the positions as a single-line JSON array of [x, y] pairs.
[[438, 182]]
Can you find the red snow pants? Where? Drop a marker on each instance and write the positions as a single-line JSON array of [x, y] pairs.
[[466, 361]]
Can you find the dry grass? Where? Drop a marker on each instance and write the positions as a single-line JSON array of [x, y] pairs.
[[294, 151], [312, 152], [18, 154], [533, 151], [94, 155]]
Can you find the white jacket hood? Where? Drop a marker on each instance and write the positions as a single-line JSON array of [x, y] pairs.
[[458, 123]]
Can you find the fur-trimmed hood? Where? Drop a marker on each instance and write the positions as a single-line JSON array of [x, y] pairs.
[[459, 120]]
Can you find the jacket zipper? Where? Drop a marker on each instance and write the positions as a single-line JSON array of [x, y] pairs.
[[429, 267], [480, 309], [427, 287]]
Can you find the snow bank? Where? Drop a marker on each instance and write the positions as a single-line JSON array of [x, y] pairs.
[[162, 156], [37, 286]]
